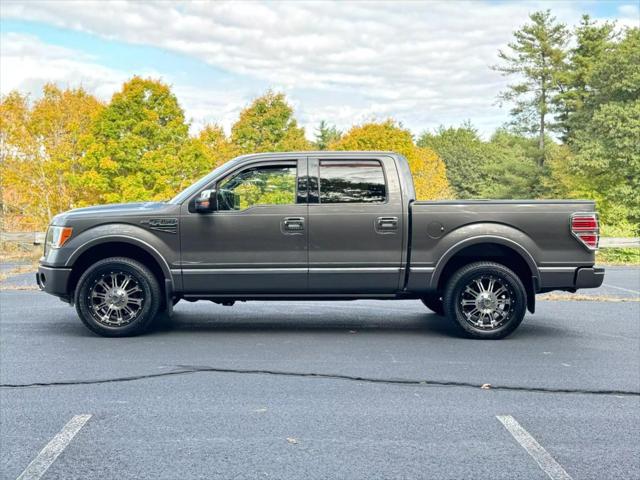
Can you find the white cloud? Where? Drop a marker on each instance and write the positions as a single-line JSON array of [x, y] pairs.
[[424, 63], [26, 64]]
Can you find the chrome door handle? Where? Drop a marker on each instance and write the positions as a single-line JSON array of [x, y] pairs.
[[387, 223], [293, 224]]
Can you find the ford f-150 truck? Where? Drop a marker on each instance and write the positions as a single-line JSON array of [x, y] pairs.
[[318, 225]]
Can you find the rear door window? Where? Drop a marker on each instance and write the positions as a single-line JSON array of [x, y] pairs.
[[352, 181]]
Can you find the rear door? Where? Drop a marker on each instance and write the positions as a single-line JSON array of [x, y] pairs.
[[355, 225], [256, 242]]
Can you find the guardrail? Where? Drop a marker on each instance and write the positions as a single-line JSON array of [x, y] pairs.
[[620, 242], [37, 238]]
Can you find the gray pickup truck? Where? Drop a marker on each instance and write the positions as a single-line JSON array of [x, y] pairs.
[[318, 225]]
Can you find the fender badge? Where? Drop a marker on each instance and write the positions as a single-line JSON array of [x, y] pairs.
[[167, 225]]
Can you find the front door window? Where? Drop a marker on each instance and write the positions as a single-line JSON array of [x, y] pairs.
[[262, 185]]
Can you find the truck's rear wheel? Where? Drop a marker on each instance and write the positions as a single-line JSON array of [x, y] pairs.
[[117, 297], [433, 303], [485, 300]]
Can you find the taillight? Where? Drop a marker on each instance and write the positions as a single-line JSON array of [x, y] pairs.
[[585, 227]]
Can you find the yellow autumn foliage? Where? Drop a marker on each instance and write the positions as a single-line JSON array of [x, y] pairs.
[[67, 149], [42, 147]]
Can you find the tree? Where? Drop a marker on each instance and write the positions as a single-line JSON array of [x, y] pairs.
[[137, 146], [535, 58], [512, 169], [500, 168], [325, 135], [463, 153], [593, 42], [429, 172], [62, 121], [217, 146], [607, 146], [42, 150], [16, 147], [268, 125]]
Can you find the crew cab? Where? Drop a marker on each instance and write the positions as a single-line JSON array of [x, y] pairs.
[[318, 225]]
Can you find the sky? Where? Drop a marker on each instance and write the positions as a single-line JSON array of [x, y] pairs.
[[424, 64]]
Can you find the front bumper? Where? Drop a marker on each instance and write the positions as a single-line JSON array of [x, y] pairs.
[[54, 280]]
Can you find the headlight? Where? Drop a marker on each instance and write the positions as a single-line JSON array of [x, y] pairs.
[[57, 236]]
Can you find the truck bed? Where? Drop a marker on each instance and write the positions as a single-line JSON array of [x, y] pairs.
[[539, 229]]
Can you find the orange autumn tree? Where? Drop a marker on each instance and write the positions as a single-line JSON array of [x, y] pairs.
[[42, 145], [429, 171]]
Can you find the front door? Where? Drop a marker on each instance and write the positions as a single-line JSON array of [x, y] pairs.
[[355, 225], [256, 242]]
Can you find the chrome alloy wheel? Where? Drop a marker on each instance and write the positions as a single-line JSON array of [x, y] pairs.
[[115, 299], [486, 302]]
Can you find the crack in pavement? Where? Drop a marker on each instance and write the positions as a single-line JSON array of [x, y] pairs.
[[189, 369]]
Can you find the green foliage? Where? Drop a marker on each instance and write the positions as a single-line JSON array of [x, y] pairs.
[[463, 153], [218, 148], [504, 167], [138, 144], [326, 135], [618, 256], [267, 125], [534, 58], [595, 94], [592, 43], [607, 146]]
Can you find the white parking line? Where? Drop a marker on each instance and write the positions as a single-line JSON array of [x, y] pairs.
[[53, 449], [621, 288], [533, 448]]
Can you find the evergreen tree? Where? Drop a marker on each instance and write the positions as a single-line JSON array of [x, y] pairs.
[[325, 135], [535, 57], [593, 42]]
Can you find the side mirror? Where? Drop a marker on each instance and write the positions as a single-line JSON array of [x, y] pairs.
[[207, 201]]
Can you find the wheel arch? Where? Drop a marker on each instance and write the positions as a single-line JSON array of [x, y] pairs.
[[492, 248], [119, 246]]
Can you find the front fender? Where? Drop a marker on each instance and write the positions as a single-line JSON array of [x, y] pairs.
[[159, 248]]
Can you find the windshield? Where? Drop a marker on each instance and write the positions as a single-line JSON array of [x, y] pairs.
[[187, 192]]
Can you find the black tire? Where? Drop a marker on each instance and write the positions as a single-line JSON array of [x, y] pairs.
[[434, 303], [503, 303], [91, 288]]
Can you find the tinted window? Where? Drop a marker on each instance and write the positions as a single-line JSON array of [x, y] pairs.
[[267, 185], [352, 181]]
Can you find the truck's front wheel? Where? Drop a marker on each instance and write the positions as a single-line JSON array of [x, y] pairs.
[[117, 297], [485, 300]]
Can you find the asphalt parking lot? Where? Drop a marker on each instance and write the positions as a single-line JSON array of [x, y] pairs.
[[363, 389]]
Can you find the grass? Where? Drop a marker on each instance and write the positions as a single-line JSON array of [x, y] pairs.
[[20, 252], [576, 297], [618, 256], [25, 255]]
